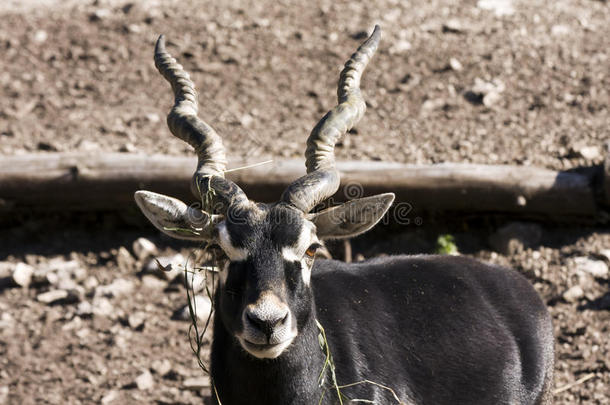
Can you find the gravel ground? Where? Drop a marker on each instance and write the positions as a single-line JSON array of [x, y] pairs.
[[452, 81]]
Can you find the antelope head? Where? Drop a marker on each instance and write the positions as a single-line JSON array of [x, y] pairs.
[[264, 296]]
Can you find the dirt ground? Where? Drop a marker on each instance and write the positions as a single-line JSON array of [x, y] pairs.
[[489, 81]]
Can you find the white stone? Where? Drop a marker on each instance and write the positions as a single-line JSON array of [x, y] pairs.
[[144, 248], [573, 294], [52, 296], [117, 288], [589, 152], [161, 367], [40, 36], [401, 46], [136, 320], [605, 253], [22, 274], [110, 397], [145, 381], [196, 383], [596, 268], [499, 7], [202, 307], [455, 64]]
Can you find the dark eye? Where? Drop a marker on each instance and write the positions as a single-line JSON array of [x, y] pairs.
[[311, 251]]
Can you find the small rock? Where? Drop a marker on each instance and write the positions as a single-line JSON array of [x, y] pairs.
[[152, 117], [605, 253], [22, 274], [195, 281], [514, 237], [499, 7], [52, 296], [573, 294], [100, 14], [434, 104], [246, 120], [486, 93], [110, 397], [455, 64], [128, 148], [196, 383], [136, 320], [201, 305], [88, 146], [153, 283], [560, 30], [103, 307], [145, 381], [401, 46], [40, 36], [117, 288], [4, 392], [596, 268], [161, 367], [453, 26], [84, 309], [588, 152], [144, 248], [125, 260]]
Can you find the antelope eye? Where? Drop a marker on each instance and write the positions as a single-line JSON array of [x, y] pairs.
[[311, 251]]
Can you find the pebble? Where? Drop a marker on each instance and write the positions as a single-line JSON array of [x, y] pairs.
[[588, 152], [201, 304], [110, 397], [40, 36], [136, 320], [144, 248], [455, 64], [125, 261], [573, 294], [596, 268], [22, 274], [401, 46], [153, 282], [195, 281], [161, 367], [499, 7], [196, 383], [117, 288], [128, 148], [52, 296], [453, 26], [145, 381], [489, 91], [4, 391], [605, 253]]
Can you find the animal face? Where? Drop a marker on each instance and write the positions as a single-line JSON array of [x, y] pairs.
[[264, 290]]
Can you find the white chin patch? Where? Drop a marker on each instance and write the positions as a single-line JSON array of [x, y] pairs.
[[265, 351]]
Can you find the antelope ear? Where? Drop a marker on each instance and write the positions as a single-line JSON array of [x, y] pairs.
[[174, 218], [351, 218]]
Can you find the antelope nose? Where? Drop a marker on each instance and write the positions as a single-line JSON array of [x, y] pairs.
[[266, 321]]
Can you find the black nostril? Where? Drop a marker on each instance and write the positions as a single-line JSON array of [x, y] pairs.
[[268, 325]]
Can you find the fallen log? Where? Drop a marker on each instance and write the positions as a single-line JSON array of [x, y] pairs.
[[97, 182]]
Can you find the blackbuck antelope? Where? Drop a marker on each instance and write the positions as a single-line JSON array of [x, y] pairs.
[[405, 329]]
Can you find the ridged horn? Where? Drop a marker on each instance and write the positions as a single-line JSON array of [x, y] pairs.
[[184, 123], [322, 178]]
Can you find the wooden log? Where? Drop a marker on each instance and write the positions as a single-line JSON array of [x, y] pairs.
[[90, 182]]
